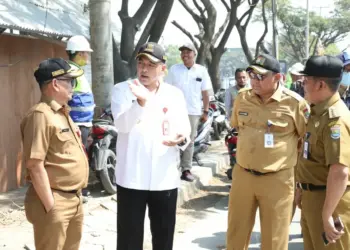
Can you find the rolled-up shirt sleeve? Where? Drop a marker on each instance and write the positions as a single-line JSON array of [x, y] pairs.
[[126, 110]]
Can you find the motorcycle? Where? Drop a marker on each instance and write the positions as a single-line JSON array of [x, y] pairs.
[[102, 151], [220, 122], [202, 140], [231, 143]]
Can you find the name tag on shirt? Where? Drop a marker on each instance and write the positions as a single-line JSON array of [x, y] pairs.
[[268, 141], [306, 150]]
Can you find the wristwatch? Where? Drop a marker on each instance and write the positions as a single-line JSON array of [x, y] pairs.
[[206, 112]]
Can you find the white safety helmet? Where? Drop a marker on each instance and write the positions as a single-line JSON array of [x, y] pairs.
[[296, 68], [78, 43]]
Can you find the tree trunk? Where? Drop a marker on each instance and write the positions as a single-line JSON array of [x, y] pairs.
[[213, 69], [121, 67]]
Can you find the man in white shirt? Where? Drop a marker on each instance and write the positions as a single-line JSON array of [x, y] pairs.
[[194, 81], [231, 93], [152, 125]]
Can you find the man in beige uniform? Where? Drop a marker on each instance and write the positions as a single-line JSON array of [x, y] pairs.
[[56, 164], [270, 119], [323, 169]]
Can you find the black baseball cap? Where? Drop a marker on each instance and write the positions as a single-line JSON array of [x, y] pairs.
[[265, 63], [54, 67], [323, 66], [152, 51], [188, 46]]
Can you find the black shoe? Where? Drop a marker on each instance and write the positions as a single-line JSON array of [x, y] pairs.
[[85, 192], [187, 176]]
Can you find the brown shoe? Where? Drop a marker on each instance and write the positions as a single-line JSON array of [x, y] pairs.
[[187, 176]]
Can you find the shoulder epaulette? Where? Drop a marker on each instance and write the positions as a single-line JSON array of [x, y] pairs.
[[333, 112], [244, 89], [292, 94]]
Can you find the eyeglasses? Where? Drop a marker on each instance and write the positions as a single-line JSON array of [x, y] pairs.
[[256, 76], [72, 81]]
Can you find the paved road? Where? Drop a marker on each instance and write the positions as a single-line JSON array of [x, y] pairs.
[[210, 232]]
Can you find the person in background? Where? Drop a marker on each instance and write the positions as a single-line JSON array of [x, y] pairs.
[[231, 93], [323, 169], [345, 81], [82, 103], [297, 78], [56, 163], [153, 126], [194, 81]]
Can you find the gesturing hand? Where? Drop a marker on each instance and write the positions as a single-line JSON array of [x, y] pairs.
[[173, 142], [139, 91]]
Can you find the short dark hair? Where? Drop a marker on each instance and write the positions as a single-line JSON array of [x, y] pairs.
[[239, 70], [332, 83]]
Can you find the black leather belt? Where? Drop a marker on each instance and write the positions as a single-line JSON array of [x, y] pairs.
[[66, 191], [257, 173], [311, 187]]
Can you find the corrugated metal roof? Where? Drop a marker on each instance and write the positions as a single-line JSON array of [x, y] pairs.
[[57, 17]]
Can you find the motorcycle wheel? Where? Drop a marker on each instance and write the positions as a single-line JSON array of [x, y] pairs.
[[107, 174], [216, 132]]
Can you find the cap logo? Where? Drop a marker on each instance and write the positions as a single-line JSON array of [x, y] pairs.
[[58, 72], [260, 60], [149, 48]]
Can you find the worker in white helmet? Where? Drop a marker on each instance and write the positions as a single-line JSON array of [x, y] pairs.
[[297, 78], [82, 104]]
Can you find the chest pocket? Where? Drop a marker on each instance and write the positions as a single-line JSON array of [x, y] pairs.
[[279, 126], [64, 141], [244, 119]]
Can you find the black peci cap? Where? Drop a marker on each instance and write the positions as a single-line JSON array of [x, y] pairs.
[[323, 66]]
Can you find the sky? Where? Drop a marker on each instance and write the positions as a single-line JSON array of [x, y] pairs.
[[172, 35]]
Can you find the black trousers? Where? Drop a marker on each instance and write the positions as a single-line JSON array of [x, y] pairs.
[[131, 216]]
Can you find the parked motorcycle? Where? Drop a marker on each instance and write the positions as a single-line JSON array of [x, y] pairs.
[[202, 140], [220, 122], [102, 151], [231, 144]]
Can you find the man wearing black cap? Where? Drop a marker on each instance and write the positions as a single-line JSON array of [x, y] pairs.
[[152, 127], [323, 170], [57, 167], [194, 81], [270, 120]]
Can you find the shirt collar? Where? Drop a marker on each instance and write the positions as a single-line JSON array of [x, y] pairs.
[[320, 108], [277, 95], [55, 106]]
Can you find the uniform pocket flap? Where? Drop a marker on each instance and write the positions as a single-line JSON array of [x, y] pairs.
[[281, 124]]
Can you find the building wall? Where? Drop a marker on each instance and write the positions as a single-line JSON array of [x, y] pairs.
[[18, 92]]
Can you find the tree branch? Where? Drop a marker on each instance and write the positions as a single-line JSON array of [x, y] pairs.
[[231, 24], [187, 33], [143, 11], [258, 44], [221, 29], [164, 8], [195, 17], [124, 9], [226, 5], [199, 8]]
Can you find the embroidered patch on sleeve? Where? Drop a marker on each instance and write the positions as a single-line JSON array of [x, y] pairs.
[[306, 113], [335, 132]]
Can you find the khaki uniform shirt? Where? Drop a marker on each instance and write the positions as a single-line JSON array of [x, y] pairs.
[[287, 113], [49, 134], [327, 141]]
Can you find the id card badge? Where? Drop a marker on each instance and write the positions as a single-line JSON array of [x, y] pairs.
[[268, 140], [306, 150]]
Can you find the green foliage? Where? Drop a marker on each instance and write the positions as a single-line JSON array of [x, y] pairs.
[[173, 55], [328, 29]]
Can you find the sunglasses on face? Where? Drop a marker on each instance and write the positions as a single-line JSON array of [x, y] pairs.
[[257, 76], [72, 81]]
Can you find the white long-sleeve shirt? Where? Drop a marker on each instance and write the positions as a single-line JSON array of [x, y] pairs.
[[143, 162]]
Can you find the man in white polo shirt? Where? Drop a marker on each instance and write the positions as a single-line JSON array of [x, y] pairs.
[[194, 81], [152, 127]]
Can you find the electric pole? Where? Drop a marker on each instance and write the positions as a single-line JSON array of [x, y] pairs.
[[307, 32], [102, 57], [275, 34]]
